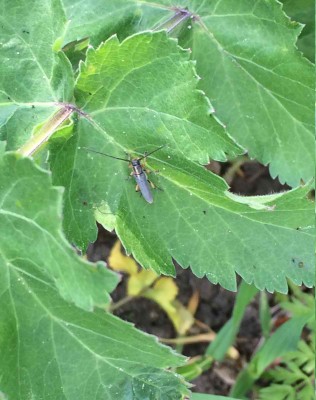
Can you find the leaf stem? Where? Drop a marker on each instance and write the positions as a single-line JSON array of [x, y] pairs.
[[46, 131], [181, 15]]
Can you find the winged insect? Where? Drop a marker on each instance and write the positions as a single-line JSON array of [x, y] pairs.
[[139, 172]]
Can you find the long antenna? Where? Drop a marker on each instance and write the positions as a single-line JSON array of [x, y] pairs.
[[107, 155], [148, 154]]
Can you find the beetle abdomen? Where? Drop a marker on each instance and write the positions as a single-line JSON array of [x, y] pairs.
[[141, 180]]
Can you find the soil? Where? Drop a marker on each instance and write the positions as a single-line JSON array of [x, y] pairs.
[[215, 303]]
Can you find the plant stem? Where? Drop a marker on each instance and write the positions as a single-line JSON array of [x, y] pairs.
[[127, 299], [120, 303], [203, 337], [46, 131], [202, 325], [231, 171]]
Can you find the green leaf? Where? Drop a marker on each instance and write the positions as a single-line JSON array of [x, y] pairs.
[[166, 110], [99, 19], [282, 341], [264, 315], [52, 350], [195, 368], [147, 84], [303, 11], [33, 77], [227, 335], [260, 85], [279, 392], [197, 211], [31, 240]]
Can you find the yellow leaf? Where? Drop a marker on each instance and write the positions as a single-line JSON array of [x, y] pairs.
[[140, 281], [120, 262], [166, 289], [181, 318], [164, 293]]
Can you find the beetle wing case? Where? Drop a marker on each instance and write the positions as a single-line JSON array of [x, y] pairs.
[[141, 180]]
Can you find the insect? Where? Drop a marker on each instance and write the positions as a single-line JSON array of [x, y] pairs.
[[139, 173]]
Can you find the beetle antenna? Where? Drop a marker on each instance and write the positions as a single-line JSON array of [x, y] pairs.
[[148, 154], [103, 154]]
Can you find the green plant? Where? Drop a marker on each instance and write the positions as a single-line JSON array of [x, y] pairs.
[[131, 93], [294, 378]]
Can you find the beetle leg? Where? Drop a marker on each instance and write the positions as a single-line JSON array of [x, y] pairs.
[[148, 171], [137, 188], [153, 185]]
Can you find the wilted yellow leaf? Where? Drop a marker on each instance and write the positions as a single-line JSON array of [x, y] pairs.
[[120, 262], [181, 317], [164, 293], [140, 281], [164, 290]]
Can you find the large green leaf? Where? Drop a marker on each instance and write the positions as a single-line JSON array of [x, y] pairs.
[[138, 95], [50, 348], [34, 75], [260, 85], [133, 103], [31, 240], [53, 350]]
